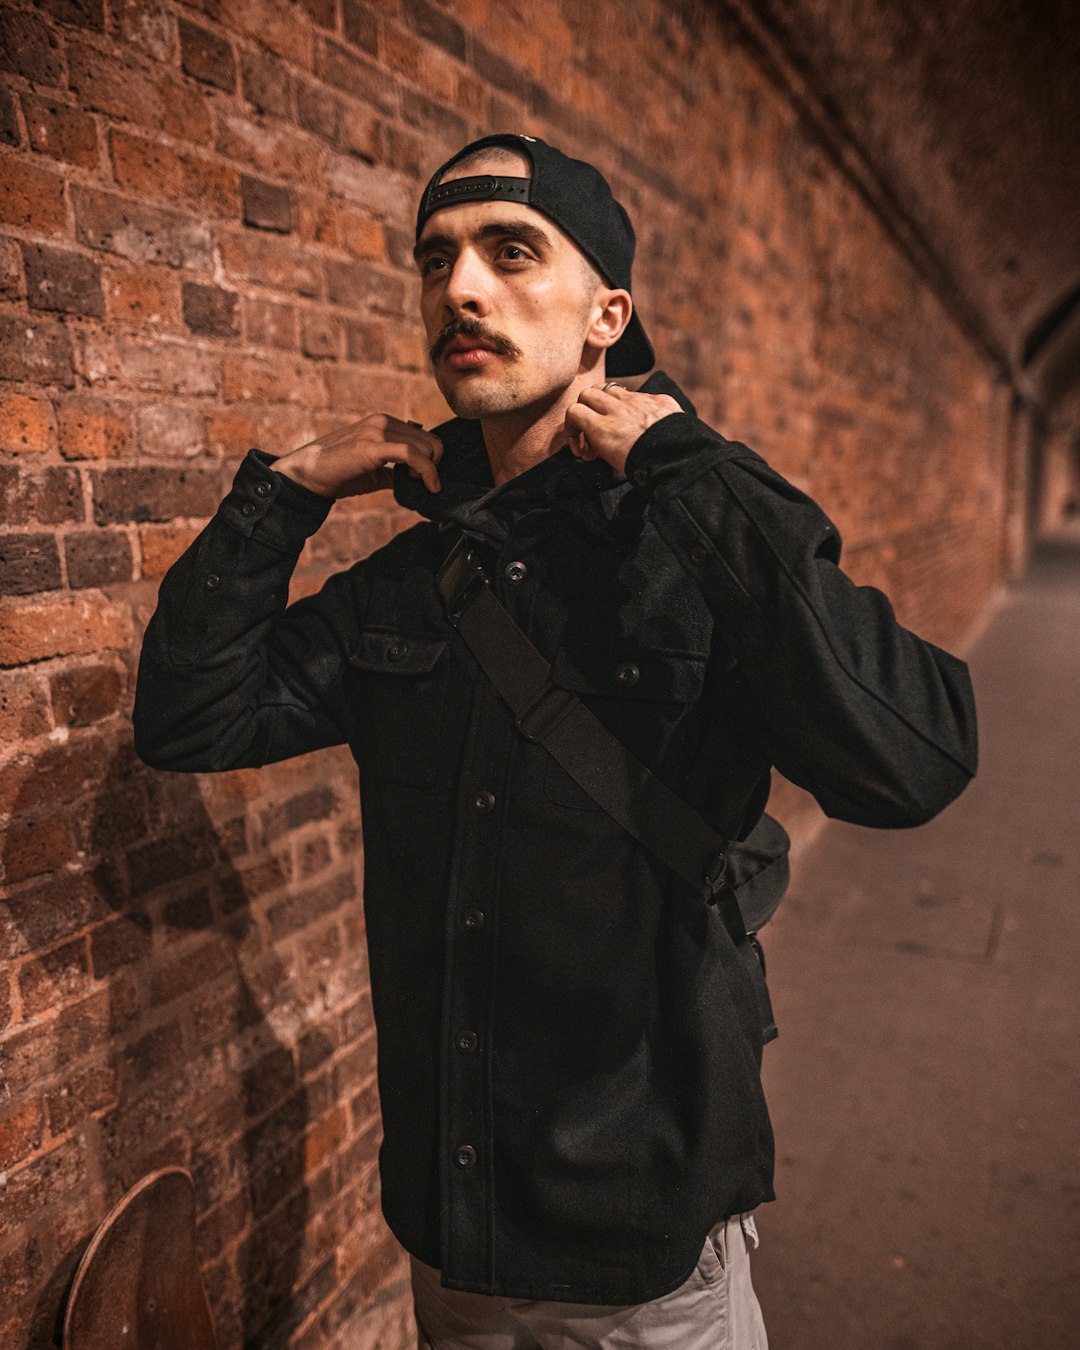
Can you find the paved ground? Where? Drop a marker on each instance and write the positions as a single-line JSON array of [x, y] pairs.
[[924, 1088]]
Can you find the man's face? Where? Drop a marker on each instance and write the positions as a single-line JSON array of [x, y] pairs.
[[506, 274]]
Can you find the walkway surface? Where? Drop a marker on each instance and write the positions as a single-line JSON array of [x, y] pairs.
[[925, 1088]]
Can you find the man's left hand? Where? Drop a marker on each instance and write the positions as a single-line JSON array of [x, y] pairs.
[[605, 423]]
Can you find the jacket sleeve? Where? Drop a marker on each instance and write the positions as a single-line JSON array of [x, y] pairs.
[[230, 676], [877, 723]]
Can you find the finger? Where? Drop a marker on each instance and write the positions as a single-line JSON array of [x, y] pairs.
[[397, 429], [424, 465]]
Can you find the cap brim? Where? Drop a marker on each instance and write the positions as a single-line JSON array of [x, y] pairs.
[[633, 353]]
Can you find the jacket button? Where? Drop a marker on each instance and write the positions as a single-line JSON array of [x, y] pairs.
[[396, 651], [247, 508], [627, 673], [263, 488], [516, 571], [464, 1155], [467, 1041], [484, 801], [698, 554], [212, 582], [640, 477], [473, 918]]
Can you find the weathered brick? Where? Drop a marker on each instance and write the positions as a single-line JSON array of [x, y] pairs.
[[60, 131], [320, 336], [303, 908], [29, 48], [153, 494], [59, 279], [91, 429], [318, 110], [105, 220], [354, 74], [169, 431], [144, 165], [56, 774], [31, 630], [9, 120], [24, 709], [28, 563], [21, 1130], [210, 310], [37, 843], [36, 351], [161, 545], [272, 379], [162, 366], [269, 323], [26, 424], [128, 88], [354, 285], [85, 694], [147, 296], [86, 1091], [266, 206], [206, 57], [54, 978], [267, 84], [119, 943], [153, 1052], [98, 558], [190, 972], [272, 262], [48, 496]]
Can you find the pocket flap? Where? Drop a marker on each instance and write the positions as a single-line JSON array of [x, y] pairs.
[[395, 653], [627, 669]]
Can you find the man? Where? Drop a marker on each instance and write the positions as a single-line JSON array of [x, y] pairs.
[[570, 1038]]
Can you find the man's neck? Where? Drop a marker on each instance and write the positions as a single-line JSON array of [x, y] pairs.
[[515, 444]]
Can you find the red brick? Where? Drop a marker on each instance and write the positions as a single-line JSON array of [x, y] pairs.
[[21, 1131], [28, 563], [272, 262], [266, 206], [190, 972], [37, 843], [31, 630], [85, 1092], [160, 546], [41, 915], [206, 57], [29, 48], [58, 278], [97, 558], [24, 708], [60, 131], [210, 310], [91, 429], [47, 496], [85, 695], [36, 351], [142, 233], [26, 424], [54, 978], [145, 166], [267, 83], [153, 494], [269, 323]]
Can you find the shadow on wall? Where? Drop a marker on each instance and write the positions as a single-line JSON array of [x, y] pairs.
[[164, 1050]]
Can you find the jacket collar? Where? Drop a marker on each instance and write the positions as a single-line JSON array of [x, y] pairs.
[[590, 489]]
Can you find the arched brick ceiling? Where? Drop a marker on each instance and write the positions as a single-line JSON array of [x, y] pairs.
[[970, 111]]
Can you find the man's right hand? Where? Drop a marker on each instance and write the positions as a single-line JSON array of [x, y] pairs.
[[359, 458]]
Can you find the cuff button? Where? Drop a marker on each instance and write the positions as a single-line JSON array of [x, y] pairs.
[[263, 488], [212, 582], [247, 508]]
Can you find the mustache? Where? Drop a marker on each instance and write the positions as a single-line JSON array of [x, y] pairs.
[[474, 331]]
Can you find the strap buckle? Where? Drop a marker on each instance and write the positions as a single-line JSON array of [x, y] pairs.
[[545, 710], [459, 578]]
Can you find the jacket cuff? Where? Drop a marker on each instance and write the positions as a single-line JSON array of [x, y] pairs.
[[675, 450], [270, 507]]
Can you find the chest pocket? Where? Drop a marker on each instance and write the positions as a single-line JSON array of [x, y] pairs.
[[645, 696], [401, 681]]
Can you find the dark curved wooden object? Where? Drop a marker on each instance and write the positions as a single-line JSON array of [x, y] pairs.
[[138, 1285]]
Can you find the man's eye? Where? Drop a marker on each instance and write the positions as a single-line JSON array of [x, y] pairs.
[[428, 262]]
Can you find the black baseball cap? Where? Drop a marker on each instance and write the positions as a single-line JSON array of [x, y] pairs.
[[576, 196]]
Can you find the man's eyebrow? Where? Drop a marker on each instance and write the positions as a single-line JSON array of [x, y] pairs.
[[520, 229]]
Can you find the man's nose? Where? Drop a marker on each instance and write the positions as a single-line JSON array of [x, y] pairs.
[[468, 285]]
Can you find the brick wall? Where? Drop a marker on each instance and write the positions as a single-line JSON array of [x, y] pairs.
[[205, 218]]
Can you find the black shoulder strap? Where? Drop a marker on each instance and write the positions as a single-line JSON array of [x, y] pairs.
[[745, 880]]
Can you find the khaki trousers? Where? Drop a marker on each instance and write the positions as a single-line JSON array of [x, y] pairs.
[[714, 1309]]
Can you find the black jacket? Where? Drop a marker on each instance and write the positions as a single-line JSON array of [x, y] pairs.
[[568, 1048]]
